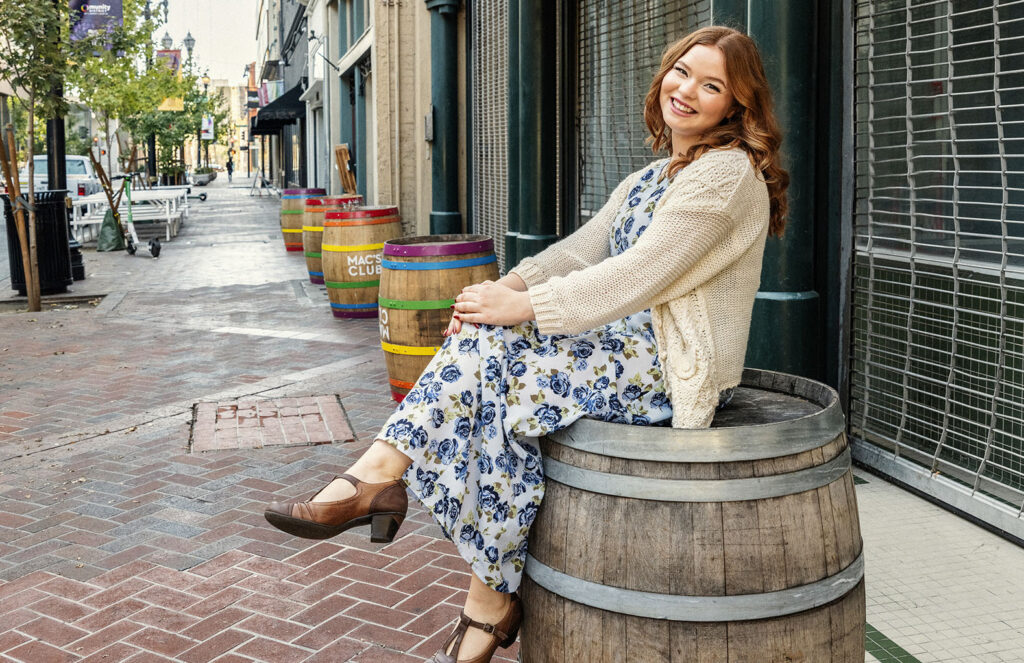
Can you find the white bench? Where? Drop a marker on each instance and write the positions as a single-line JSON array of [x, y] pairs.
[[168, 206]]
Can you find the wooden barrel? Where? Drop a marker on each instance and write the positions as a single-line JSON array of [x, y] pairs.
[[419, 281], [313, 229], [352, 245], [736, 543], [293, 206]]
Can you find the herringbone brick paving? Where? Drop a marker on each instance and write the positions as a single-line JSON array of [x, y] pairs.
[[121, 545]]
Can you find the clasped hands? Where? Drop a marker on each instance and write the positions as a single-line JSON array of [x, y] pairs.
[[489, 303]]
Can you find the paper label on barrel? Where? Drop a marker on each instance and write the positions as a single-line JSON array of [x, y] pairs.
[[364, 265], [385, 333]]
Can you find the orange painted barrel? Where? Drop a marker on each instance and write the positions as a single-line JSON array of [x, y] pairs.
[[352, 243], [420, 277], [293, 207], [313, 229]]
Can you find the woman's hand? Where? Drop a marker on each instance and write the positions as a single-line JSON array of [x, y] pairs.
[[490, 303]]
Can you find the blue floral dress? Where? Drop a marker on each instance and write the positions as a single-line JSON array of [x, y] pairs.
[[468, 424]]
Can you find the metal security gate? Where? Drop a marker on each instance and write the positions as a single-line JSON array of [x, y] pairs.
[[619, 47], [937, 365], [489, 100]]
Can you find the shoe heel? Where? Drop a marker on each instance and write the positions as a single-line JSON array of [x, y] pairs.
[[511, 639], [383, 527]]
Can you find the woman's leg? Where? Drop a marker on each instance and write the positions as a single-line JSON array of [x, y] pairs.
[[381, 462], [483, 605]]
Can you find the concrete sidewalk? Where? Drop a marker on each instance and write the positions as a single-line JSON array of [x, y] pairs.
[[118, 543]]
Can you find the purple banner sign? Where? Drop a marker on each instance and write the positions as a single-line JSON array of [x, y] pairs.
[[90, 17]]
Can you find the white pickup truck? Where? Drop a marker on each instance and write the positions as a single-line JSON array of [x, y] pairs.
[[82, 179]]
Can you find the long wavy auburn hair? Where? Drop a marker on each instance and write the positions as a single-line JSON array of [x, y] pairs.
[[750, 124]]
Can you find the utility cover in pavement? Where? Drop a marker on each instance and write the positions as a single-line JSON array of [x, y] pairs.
[[252, 424]]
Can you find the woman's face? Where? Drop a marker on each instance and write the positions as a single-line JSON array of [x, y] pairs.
[[695, 95]]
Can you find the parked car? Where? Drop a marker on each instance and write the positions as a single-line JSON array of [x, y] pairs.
[[82, 179]]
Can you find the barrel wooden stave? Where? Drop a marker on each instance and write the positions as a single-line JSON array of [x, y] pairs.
[[293, 209], [312, 229], [424, 328], [338, 266], [695, 549]]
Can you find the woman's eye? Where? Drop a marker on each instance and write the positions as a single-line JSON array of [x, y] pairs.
[[712, 86], [682, 72]]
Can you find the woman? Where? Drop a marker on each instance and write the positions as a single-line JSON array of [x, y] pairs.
[[640, 316]]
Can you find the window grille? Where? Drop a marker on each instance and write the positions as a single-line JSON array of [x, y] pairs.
[[937, 365], [619, 49], [489, 21]]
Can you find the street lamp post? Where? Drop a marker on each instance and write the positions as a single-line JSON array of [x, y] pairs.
[[151, 139], [206, 97], [190, 43]]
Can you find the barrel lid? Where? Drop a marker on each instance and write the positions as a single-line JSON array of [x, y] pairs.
[[362, 212], [438, 245], [300, 192], [770, 415]]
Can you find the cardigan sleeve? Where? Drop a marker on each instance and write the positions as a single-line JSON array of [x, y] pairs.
[[694, 216], [587, 246]]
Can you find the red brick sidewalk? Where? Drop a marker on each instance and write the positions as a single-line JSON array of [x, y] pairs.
[[119, 543]]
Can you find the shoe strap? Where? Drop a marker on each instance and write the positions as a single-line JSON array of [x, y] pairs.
[[351, 479], [489, 629]]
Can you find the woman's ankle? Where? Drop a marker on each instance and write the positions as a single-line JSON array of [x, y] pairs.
[[380, 463]]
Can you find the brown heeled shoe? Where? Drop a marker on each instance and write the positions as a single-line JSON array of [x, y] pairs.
[[381, 505], [503, 635]]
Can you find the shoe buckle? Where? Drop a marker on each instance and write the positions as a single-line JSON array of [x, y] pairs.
[[488, 629]]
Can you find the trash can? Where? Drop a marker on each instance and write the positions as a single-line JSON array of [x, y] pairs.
[[51, 244]]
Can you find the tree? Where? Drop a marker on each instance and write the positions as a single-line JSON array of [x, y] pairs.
[[33, 59], [115, 82]]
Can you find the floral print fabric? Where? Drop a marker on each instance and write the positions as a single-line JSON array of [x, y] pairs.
[[469, 423]]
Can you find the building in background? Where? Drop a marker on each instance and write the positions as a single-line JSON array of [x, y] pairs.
[[281, 74], [900, 279]]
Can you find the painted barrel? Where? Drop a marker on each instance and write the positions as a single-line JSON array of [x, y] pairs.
[[420, 278], [313, 229], [740, 542], [293, 207], [352, 245]]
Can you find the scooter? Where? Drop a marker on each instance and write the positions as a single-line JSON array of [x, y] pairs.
[[131, 239]]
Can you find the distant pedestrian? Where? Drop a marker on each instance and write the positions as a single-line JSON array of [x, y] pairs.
[[231, 167]]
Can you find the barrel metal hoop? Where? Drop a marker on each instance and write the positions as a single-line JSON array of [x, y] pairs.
[[678, 608], [313, 254], [349, 248], [705, 445], [353, 284], [371, 305], [291, 230], [416, 305], [446, 264], [396, 349], [313, 229], [698, 490]]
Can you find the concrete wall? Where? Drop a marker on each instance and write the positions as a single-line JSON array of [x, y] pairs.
[[401, 97]]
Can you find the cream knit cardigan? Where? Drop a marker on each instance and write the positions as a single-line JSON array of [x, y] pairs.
[[697, 267]]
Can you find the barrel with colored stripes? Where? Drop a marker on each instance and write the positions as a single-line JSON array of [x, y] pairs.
[[293, 207], [352, 244], [420, 278], [740, 542], [313, 229]]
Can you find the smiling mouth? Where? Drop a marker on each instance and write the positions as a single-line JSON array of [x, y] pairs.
[[682, 107]]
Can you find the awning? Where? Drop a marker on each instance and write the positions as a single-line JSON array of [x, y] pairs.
[[279, 112]]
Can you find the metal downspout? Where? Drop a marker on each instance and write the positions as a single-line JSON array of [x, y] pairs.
[[445, 216], [535, 116], [786, 332]]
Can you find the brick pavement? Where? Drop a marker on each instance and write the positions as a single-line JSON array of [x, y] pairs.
[[118, 544]]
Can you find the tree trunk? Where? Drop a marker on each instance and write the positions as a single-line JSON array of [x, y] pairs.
[[32, 266], [10, 166]]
